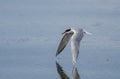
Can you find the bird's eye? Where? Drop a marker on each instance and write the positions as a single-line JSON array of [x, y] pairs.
[[67, 30], [84, 32]]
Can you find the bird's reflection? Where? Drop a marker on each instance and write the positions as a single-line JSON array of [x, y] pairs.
[[61, 72], [75, 73], [63, 75]]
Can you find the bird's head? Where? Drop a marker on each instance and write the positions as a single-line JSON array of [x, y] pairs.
[[67, 31]]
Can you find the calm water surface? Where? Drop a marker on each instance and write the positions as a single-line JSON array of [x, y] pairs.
[[30, 31]]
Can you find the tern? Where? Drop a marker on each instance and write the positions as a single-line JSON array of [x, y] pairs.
[[75, 35]]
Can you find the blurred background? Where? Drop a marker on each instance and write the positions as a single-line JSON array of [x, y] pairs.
[[30, 31]]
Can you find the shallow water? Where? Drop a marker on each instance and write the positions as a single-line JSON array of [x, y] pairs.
[[30, 32]]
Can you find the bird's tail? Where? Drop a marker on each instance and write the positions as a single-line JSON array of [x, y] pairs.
[[74, 62]]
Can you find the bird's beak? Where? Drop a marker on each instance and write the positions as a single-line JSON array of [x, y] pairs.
[[88, 33]]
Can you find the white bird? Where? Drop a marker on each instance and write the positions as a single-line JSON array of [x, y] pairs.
[[76, 35]]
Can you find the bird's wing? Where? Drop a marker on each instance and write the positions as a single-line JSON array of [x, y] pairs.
[[75, 50], [66, 37]]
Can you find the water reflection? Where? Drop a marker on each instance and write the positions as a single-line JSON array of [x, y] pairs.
[[75, 73], [63, 75], [61, 72]]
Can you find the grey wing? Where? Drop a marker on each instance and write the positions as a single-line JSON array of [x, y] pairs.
[[65, 39], [75, 50]]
